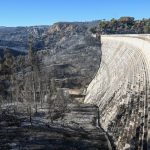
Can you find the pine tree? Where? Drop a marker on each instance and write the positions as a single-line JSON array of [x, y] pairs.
[[8, 70]]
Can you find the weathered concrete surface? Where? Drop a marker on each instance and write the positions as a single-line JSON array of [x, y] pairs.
[[121, 90]]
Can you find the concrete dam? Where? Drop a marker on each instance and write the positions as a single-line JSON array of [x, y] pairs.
[[121, 90]]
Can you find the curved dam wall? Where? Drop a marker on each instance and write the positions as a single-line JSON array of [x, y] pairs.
[[121, 89]]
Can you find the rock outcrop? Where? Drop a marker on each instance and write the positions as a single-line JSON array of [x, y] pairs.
[[121, 90]]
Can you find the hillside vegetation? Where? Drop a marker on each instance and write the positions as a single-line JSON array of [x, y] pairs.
[[123, 25]]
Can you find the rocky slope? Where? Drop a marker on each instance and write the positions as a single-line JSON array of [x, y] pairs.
[[72, 54], [67, 50], [121, 90], [17, 38]]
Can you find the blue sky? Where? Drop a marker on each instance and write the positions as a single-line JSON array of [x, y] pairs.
[[46, 12]]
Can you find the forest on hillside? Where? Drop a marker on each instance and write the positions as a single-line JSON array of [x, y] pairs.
[[123, 25]]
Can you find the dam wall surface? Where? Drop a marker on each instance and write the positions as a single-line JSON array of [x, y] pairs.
[[121, 90]]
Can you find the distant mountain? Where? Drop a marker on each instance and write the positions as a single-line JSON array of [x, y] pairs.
[[66, 50], [16, 38]]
